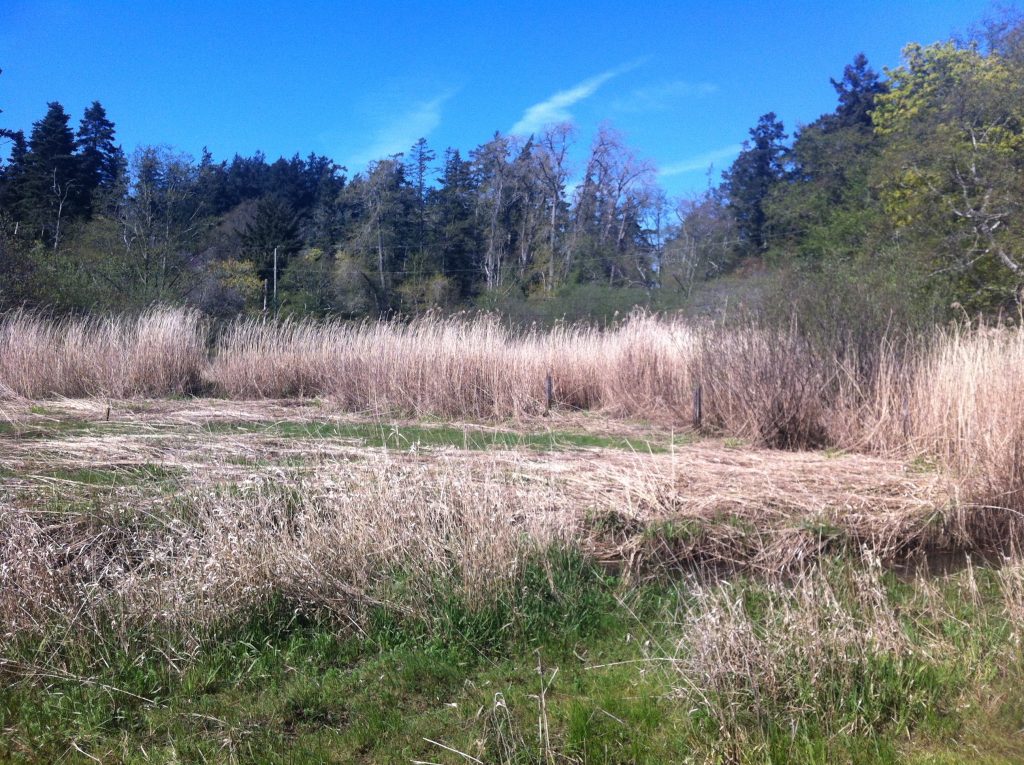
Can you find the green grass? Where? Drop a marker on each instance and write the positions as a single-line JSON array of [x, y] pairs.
[[63, 428], [376, 435], [285, 686], [415, 436], [127, 475]]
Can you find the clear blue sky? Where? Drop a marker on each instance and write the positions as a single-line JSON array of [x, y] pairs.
[[684, 81]]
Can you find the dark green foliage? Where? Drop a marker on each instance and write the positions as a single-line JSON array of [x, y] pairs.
[[456, 238], [856, 91], [755, 172], [275, 226], [43, 181], [101, 161]]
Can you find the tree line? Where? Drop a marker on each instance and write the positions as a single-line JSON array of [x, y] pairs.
[[901, 204]]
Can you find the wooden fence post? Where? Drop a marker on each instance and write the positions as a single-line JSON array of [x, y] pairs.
[[698, 407], [906, 418], [549, 390]]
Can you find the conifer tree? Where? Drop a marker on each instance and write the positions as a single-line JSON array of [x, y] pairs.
[[101, 161], [747, 183], [52, 190]]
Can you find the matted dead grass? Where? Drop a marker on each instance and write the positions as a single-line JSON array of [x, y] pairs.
[[873, 498], [159, 517]]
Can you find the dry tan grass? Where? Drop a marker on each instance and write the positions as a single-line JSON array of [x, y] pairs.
[[952, 397], [336, 541], [452, 367], [967, 408], [332, 523], [158, 353]]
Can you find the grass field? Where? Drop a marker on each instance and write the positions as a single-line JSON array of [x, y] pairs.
[[210, 580]]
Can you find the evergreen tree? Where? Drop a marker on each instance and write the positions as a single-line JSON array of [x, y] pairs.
[[417, 171], [52, 190], [211, 184], [7, 132], [747, 183], [456, 236], [857, 91], [275, 226], [101, 161], [12, 180], [825, 207]]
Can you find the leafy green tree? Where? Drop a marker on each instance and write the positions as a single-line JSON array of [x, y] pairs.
[[824, 205], [952, 172]]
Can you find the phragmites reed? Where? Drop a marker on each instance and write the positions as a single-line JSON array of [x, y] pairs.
[[161, 352], [952, 396]]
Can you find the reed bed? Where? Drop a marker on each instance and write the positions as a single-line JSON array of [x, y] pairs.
[[478, 368], [767, 385], [952, 396], [967, 411], [158, 353]]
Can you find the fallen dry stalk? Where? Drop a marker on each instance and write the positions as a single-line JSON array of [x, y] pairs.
[[341, 529]]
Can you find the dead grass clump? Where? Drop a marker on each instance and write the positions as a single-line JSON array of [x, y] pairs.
[[766, 510], [765, 385], [388, 533], [967, 409], [161, 352]]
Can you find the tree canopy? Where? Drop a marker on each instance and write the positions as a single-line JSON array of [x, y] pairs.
[[906, 200]]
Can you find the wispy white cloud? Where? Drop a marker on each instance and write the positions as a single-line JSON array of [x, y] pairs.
[[401, 132], [700, 161], [662, 95], [556, 108]]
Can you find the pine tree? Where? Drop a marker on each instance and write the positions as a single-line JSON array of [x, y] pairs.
[[52, 191], [274, 227], [101, 161], [755, 171], [12, 179], [456, 234], [856, 91]]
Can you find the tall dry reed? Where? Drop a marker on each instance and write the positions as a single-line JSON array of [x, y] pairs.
[[457, 367], [967, 411], [953, 395], [158, 353]]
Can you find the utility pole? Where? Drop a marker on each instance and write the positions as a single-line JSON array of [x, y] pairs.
[[275, 283]]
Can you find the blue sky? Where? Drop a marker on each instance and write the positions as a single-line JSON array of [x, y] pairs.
[[684, 81]]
